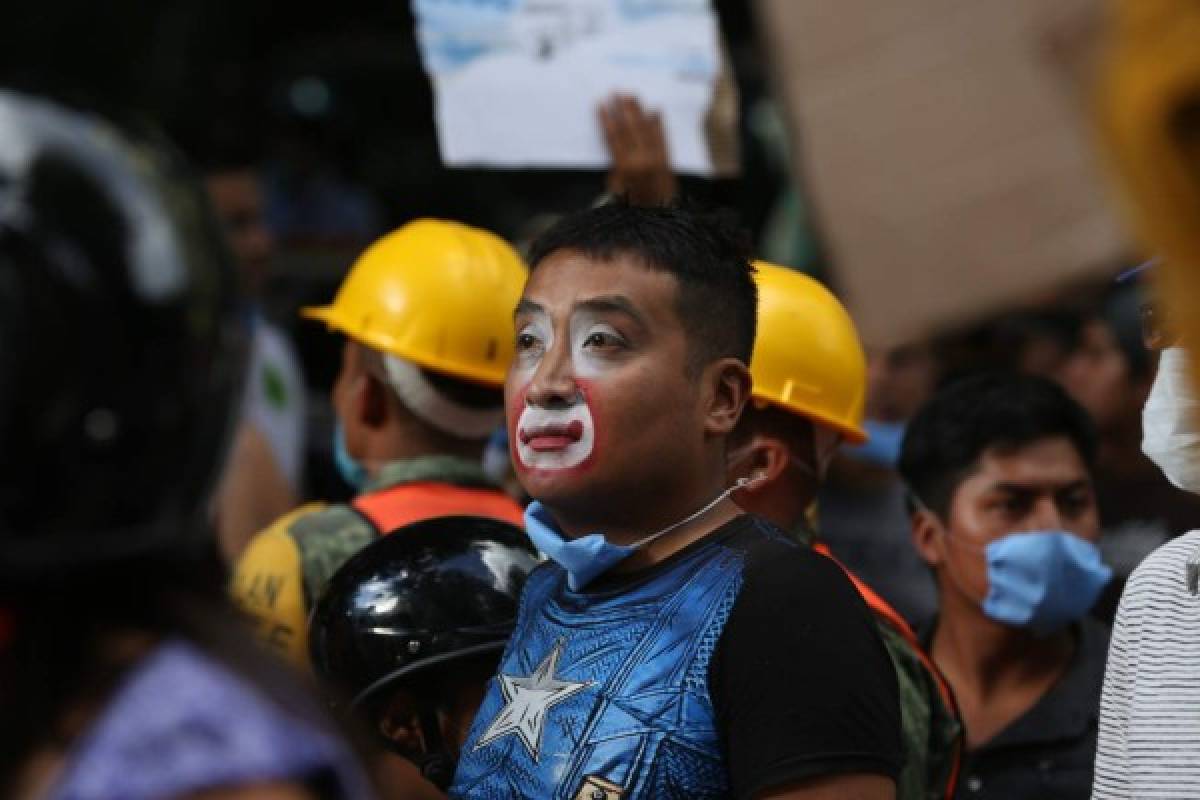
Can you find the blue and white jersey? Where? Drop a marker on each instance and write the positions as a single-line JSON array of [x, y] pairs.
[[616, 692]]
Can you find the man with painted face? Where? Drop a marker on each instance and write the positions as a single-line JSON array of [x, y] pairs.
[[650, 656], [810, 379], [1003, 511], [428, 338]]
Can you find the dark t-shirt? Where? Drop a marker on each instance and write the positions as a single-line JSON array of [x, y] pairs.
[[1047, 753], [801, 681], [742, 663]]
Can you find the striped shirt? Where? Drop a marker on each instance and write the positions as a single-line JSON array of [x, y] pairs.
[[1149, 743]]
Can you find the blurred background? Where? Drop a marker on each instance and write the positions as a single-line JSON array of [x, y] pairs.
[[847, 147]]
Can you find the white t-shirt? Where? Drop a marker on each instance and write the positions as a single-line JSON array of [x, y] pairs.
[[1149, 743], [274, 400]]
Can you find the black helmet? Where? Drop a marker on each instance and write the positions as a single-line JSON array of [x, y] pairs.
[[425, 596], [121, 349]]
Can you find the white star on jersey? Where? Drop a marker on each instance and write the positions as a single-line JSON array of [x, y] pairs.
[[526, 702]]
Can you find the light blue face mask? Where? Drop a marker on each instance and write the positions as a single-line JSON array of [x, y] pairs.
[[883, 447], [351, 470], [1043, 580], [587, 557]]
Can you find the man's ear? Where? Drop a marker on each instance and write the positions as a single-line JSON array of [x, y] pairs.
[[927, 536], [373, 401], [726, 384], [762, 459]]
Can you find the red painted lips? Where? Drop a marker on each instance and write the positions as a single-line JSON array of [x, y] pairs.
[[548, 438]]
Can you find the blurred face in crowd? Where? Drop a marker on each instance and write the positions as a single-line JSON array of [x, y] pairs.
[[599, 395], [1043, 486], [1098, 377], [237, 197], [1043, 356], [399, 719], [899, 381], [460, 688]]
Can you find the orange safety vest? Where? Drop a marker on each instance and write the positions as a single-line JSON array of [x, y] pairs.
[[389, 509], [883, 609]]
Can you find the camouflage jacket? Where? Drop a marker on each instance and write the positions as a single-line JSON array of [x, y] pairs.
[[285, 568]]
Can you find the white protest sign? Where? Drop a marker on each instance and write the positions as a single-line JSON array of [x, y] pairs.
[[517, 82]]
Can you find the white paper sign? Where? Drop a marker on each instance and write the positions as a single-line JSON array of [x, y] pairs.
[[517, 82]]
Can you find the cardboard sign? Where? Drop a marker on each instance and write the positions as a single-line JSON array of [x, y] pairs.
[[946, 148]]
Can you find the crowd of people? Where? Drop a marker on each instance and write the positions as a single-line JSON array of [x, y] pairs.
[[627, 512]]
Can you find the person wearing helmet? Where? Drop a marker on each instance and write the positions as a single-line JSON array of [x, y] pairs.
[[425, 312], [673, 646], [410, 629], [122, 670], [809, 375]]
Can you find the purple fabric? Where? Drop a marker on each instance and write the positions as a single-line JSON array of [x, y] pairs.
[[183, 723]]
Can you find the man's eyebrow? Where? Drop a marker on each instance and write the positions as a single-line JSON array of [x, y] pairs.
[[610, 303], [527, 307], [1033, 488]]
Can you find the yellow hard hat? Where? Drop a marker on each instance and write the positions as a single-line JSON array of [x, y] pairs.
[[807, 357], [438, 294]]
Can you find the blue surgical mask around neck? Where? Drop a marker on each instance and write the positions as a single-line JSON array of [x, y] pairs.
[[1042, 580], [586, 557], [350, 468]]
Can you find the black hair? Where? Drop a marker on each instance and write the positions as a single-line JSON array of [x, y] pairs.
[[996, 410], [796, 430], [1121, 312], [1011, 336], [708, 254]]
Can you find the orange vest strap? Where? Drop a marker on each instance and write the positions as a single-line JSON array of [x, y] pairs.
[[407, 503], [883, 609]]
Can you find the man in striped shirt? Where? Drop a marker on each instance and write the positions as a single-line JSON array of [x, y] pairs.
[[1149, 742], [1149, 745]]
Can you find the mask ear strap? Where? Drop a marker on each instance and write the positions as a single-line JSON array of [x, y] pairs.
[[740, 483], [759, 476]]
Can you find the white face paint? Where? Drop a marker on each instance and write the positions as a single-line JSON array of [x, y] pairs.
[[555, 438], [589, 335], [561, 438], [534, 339]]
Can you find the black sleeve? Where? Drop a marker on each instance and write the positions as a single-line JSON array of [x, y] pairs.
[[800, 679]]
